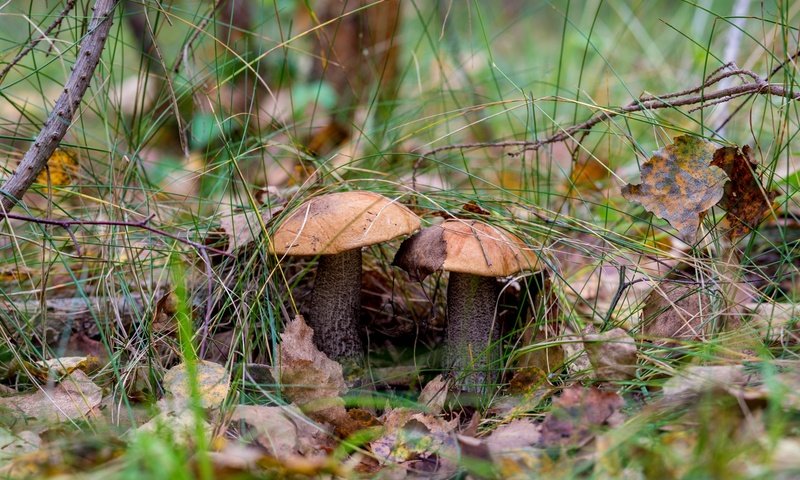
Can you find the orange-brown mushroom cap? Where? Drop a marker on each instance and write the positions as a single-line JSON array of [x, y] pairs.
[[465, 246], [337, 222]]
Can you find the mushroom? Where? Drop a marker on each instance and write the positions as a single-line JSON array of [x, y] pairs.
[[335, 227], [475, 254]]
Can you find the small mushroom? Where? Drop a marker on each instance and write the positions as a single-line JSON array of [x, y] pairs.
[[475, 254], [335, 227]]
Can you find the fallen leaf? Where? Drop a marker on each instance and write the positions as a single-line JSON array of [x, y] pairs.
[[434, 395], [270, 427], [14, 444], [612, 354], [65, 366], [697, 379], [577, 414], [213, 384], [745, 199], [679, 184], [181, 426], [70, 400], [308, 377], [62, 166], [515, 435], [675, 312], [412, 439]]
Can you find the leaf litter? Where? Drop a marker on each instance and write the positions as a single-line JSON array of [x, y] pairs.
[[680, 184]]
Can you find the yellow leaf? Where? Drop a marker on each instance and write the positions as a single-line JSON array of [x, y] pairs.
[[62, 167]]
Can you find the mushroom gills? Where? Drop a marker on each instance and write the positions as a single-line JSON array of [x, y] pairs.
[[472, 343], [334, 305]]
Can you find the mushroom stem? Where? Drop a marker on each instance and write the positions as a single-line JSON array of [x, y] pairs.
[[472, 336], [335, 305]]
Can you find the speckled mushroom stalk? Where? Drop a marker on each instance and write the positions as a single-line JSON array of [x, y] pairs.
[[475, 254], [335, 305], [335, 227], [472, 335]]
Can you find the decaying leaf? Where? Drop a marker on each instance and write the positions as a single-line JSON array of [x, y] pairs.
[[515, 435], [745, 199], [180, 425], [679, 184], [270, 427], [62, 166], [418, 441], [676, 312], [434, 395], [612, 353], [213, 383], [308, 377], [696, 379], [13, 445], [64, 366], [73, 398], [577, 414]]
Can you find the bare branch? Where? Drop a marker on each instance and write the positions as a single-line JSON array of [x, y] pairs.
[[60, 18], [57, 123], [759, 86]]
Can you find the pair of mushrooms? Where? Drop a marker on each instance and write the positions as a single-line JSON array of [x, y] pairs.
[[336, 226]]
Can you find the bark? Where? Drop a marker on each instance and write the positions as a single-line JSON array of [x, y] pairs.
[[472, 332], [59, 120]]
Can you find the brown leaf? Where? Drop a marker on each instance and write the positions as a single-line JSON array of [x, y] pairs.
[[577, 414], [745, 199], [676, 312], [72, 399], [411, 436], [612, 353], [434, 395], [515, 435], [270, 427], [308, 377], [679, 184]]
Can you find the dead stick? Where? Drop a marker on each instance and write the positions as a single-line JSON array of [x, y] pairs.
[[57, 123]]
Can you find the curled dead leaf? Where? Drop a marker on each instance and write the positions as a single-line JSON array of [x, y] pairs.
[[308, 377], [745, 199], [675, 312]]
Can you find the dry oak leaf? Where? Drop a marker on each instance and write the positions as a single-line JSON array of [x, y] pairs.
[[679, 184], [745, 199], [308, 377]]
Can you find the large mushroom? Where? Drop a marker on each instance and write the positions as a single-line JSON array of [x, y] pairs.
[[475, 254], [335, 227]]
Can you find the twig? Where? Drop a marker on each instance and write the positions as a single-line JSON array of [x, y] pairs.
[[57, 123], [60, 18], [184, 51], [759, 86], [66, 224]]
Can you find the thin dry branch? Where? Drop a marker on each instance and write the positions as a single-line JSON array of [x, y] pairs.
[[56, 23], [60, 118], [759, 86]]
